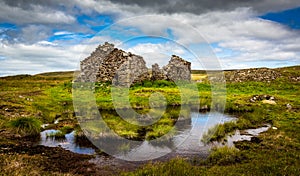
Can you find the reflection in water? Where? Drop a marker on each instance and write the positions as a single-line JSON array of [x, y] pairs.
[[189, 139], [67, 143], [246, 136], [185, 137], [186, 140]]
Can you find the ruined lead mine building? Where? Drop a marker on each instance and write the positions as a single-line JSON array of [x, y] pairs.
[[109, 64]]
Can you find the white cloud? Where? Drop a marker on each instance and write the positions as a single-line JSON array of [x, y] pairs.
[[46, 43], [33, 33], [157, 53], [251, 39], [36, 58], [45, 56], [63, 33]]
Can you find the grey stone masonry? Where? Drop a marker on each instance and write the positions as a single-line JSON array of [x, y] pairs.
[[253, 74], [177, 69], [122, 68], [157, 73], [109, 64], [89, 67]]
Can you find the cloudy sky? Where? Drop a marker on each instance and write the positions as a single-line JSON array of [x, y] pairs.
[[53, 35]]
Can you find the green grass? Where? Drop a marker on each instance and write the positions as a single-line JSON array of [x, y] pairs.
[[224, 156], [66, 129], [61, 133], [176, 167], [198, 77], [56, 135], [133, 131], [275, 156], [26, 126], [278, 151], [181, 94], [45, 96], [218, 132], [48, 96]]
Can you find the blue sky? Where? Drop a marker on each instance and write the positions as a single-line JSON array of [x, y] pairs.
[[55, 36], [289, 18]]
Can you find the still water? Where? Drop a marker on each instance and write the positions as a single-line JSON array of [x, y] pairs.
[[68, 143], [186, 139]]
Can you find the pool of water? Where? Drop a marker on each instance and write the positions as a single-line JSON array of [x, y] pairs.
[[200, 123], [68, 143], [186, 140], [246, 135]]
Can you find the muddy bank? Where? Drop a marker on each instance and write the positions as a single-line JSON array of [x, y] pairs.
[[54, 159], [59, 160]]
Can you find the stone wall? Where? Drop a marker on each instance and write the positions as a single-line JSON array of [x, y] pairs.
[[109, 64], [253, 74], [122, 68], [177, 69], [157, 73], [89, 67]]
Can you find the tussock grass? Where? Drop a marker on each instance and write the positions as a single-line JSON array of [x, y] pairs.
[[224, 156], [56, 135], [26, 126]]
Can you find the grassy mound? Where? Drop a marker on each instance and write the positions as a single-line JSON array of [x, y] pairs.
[[25, 126]]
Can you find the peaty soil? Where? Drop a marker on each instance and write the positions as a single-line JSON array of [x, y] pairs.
[[51, 159]]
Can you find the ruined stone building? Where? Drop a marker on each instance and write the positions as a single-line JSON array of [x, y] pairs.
[[109, 64], [122, 68], [89, 67], [177, 69]]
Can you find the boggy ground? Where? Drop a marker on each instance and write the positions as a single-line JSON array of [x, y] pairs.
[[26, 95], [21, 156], [47, 97]]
